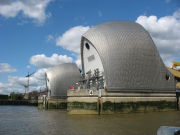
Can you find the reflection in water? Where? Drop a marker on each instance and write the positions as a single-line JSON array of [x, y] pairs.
[[30, 120]]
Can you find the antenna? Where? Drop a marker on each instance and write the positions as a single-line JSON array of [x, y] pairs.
[[24, 86], [28, 81]]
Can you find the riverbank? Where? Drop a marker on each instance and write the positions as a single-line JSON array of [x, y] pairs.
[[19, 102]]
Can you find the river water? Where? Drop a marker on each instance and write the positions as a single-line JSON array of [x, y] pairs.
[[21, 120]]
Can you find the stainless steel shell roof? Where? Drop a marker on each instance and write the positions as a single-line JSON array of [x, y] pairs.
[[61, 76], [129, 57]]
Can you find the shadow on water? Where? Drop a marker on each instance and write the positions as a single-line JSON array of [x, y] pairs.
[[30, 120]]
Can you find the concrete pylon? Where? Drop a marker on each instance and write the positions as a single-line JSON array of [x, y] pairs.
[[25, 96]]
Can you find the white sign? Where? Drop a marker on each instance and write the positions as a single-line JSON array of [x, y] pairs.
[[90, 92]]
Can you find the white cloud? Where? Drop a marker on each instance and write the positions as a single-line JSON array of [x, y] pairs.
[[42, 88], [167, 1], [5, 88], [73, 54], [165, 32], [34, 9], [44, 62], [35, 82], [13, 85], [100, 14], [70, 40], [78, 60], [40, 74], [5, 67], [49, 38], [28, 67]]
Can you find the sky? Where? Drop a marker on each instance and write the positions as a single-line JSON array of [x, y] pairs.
[[36, 35]]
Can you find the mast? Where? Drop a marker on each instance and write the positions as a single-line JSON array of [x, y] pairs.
[[28, 81]]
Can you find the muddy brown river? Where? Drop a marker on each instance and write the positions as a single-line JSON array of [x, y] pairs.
[[21, 120]]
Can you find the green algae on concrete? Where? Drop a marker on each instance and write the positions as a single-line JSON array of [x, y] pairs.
[[57, 103], [57, 106], [82, 108], [80, 102], [83, 105], [52, 106], [61, 105], [142, 106], [40, 105]]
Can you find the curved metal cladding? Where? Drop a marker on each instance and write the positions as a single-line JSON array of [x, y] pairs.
[[61, 76], [129, 56]]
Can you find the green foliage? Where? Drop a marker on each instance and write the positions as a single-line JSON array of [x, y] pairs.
[[3, 97], [15, 97]]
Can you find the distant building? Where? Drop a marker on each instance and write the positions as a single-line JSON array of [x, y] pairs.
[[121, 55]]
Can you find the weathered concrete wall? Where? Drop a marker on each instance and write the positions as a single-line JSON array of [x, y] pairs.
[[57, 103], [131, 94], [52, 103], [82, 93], [111, 105], [81, 102], [82, 105]]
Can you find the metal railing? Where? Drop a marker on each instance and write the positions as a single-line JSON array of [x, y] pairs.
[[93, 80]]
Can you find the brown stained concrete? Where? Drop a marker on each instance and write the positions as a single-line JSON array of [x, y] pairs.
[[82, 111]]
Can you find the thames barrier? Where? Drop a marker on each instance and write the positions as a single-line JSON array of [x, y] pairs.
[[122, 72]]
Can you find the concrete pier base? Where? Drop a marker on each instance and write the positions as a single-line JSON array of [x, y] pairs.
[[82, 105], [40, 103], [52, 103], [82, 102], [87, 101], [57, 103], [111, 105]]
